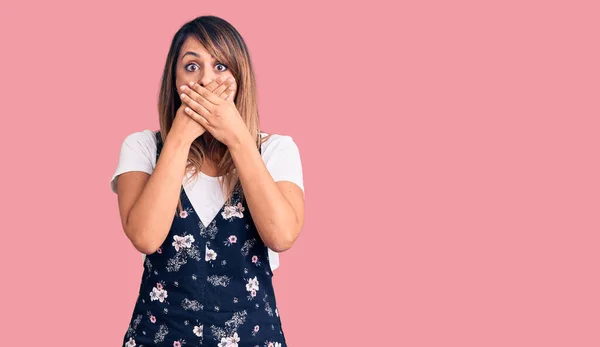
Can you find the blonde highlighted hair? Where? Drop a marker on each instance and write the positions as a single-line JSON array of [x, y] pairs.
[[227, 46]]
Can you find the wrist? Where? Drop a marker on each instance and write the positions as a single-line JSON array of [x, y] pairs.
[[178, 140], [241, 142]]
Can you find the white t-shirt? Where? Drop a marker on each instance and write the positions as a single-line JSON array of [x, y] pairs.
[[280, 155]]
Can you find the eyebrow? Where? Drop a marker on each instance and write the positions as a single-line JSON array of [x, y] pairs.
[[192, 53]]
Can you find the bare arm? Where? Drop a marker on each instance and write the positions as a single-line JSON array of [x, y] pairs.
[[147, 203], [277, 207]]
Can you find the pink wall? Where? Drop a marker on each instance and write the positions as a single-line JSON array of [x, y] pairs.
[[450, 154]]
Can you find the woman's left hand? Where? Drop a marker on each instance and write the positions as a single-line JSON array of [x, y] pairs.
[[218, 116]]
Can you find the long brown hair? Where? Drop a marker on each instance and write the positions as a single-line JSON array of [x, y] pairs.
[[227, 46]]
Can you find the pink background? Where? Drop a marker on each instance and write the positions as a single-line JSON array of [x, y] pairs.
[[450, 154]]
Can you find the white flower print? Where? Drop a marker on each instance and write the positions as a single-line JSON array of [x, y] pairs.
[[210, 231], [216, 280], [233, 211], [268, 308], [198, 330], [130, 343], [231, 326], [210, 254], [252, 287], [247, 246], [161, 333], [252, 284], [185, 247], [191, 305], [231, 341], [182, 242], [158, 293]]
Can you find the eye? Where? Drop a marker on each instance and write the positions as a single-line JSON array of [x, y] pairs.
[[188, 66], [224, 67]]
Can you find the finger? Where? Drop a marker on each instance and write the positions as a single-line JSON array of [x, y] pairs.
[[214, 84], [229, 93], [223, 87], [210, 97], [191, 95], [195, 106], [195, 116]]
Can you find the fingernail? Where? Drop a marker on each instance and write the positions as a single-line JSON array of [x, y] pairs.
[[182, 87], [191, 83]]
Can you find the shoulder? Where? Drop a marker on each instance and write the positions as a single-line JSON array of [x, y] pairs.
[[144, 137], [273, 143], [282, 158], [138, 153], [141, 143]]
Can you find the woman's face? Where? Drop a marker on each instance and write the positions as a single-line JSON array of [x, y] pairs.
[[196, 64]]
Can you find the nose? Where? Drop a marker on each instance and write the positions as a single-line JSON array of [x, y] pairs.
[[206, 78]]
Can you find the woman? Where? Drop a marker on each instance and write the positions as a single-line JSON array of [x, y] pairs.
[[207, 261]]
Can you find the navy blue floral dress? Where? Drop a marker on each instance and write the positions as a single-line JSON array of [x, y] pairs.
[[207, 285]]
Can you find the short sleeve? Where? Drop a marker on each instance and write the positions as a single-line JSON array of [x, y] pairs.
[[138, 153], [282, 159]]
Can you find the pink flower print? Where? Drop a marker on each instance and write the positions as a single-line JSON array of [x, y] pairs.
[[230, 240], [256, 327], [159, 286], [130, 343], [159, 250], [183, 214], [153, 319], [253, 293], [254, 259], [271, 344], [176, 344]]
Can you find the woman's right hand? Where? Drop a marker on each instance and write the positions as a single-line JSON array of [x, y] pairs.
[[185, 126]]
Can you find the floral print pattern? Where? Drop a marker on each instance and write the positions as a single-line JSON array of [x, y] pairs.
[[158, 293], [196, 282], [233, 211]]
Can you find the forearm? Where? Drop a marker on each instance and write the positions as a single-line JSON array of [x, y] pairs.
[[151, 216], [272, 213]]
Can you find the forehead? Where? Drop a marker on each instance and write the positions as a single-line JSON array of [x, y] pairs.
[[191, 44]]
